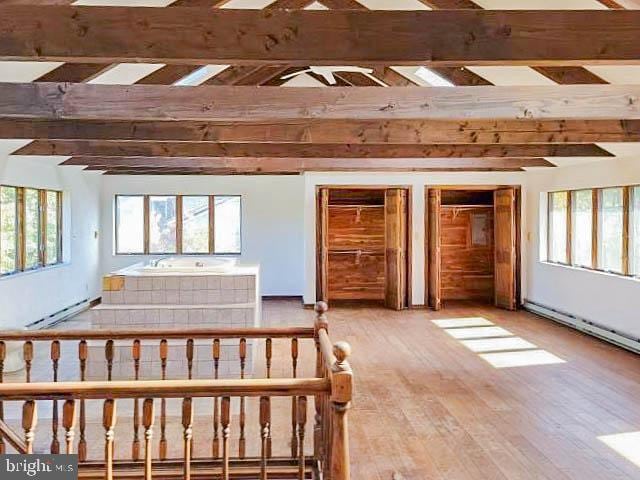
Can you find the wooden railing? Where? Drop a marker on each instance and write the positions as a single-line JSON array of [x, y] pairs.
[[225, 410]]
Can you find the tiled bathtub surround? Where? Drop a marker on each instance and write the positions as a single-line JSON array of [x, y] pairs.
[[183, 290], [173, 301]]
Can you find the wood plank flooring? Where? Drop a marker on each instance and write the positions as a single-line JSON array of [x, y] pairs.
[[428, 407]]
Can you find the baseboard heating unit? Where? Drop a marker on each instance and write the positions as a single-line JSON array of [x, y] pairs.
[[59, 316], [591, 328]]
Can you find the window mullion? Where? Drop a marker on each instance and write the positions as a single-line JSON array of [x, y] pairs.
[[594, 228], [59, 226], [626, 201], [42, 234], [146, 224], [569, 200], [212, 224], [20, 230], [179, 224]]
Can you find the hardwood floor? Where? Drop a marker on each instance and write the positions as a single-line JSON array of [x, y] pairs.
[[427, 406]]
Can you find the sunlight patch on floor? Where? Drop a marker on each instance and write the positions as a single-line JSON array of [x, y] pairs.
[[478, 332], [462, 322], [498, 344], [625, 444], [524, 358]]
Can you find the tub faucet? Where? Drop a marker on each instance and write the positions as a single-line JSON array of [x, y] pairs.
[[199, 264], [154, 263]]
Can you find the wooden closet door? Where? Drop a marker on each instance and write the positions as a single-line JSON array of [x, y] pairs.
[[322, 245], [395, 248], [506, 240], [434, 261]]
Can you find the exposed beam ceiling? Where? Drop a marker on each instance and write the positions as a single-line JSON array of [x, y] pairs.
[[99, 148], [333, 131], [302, 37], [50, 101]]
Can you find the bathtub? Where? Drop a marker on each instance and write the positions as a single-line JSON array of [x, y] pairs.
[[187, 265]]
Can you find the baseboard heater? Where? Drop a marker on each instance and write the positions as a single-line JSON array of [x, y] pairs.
[[59, 316], [587, 326]]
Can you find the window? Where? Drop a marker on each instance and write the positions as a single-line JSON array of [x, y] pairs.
[[558, 215], [195, 224], [610, 221], [30, 228], [162, 224], [130, 224], [182, 224], [596, 228], [227, 231], [582, 228], [634, 232], [8, 230]]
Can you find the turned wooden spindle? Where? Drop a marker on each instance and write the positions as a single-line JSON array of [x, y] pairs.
[[302, 421], [69, 423], [265, 426], [83, 353], [108, 355], [269, 355], [55, 359], [294, 401], [341, 395], [29, 421], [135, 447], [243, 360], [164, 353], [27, 353], [148, 416], [225, 419], [3, 355], [187, 428], [109, 423], [320, 403], [190, 348], [215, 444]]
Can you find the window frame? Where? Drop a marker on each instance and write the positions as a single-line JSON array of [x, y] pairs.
[[20, 228], [595, 229], [568, 223], [179, 225]]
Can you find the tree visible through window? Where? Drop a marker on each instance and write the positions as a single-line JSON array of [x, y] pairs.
[[8, 230], [610, 219], [581, 227], [187, 224], [558, 227], [31, 228], [634, 232]]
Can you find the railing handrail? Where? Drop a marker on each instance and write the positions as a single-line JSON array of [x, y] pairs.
[[157, 334], [252, 387]]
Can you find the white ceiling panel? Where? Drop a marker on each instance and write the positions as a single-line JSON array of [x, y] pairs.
[[126, 73], [541, 4], [622, 74], [24, 71]]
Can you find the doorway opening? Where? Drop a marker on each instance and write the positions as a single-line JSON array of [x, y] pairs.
[[362, 245], [473, 245]]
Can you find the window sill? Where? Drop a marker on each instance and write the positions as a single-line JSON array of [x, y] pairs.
[[167, 255], [34, 271], [591, 270]]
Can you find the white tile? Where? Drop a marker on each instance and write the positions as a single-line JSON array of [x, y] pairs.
[[213, 296], [240, 283], [195, 316], [186, 283], [117, 298], [130, 283], [227, 296], [199, 283], [240, 296], [186, 297], [122, 317], [158, 297], [145, 284], [227, 283], [172, 297], [200, 297], [144, 297], [172, 283], [213, 282], [181, 317], [158, 284], [130, 298]]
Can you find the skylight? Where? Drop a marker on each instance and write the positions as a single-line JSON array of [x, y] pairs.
[[200, 75], [432, 78]]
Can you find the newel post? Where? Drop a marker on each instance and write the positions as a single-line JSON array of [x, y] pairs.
[[341, 395]]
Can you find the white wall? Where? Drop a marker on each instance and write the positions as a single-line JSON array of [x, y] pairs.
[[272, 221], [417, 182], [30, 296], [609, 300]]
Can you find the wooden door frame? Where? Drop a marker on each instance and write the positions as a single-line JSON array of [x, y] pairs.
[[409, 190], [487, 187]]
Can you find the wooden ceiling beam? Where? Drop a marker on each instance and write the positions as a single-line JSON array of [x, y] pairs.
[[315, 164], [332, 131], [302, 37], [53, 101], [98, 148], [222, 171]]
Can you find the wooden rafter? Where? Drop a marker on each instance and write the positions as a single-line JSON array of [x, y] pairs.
[[332, 131], [97, 148], [120, 34], [51, 101]]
